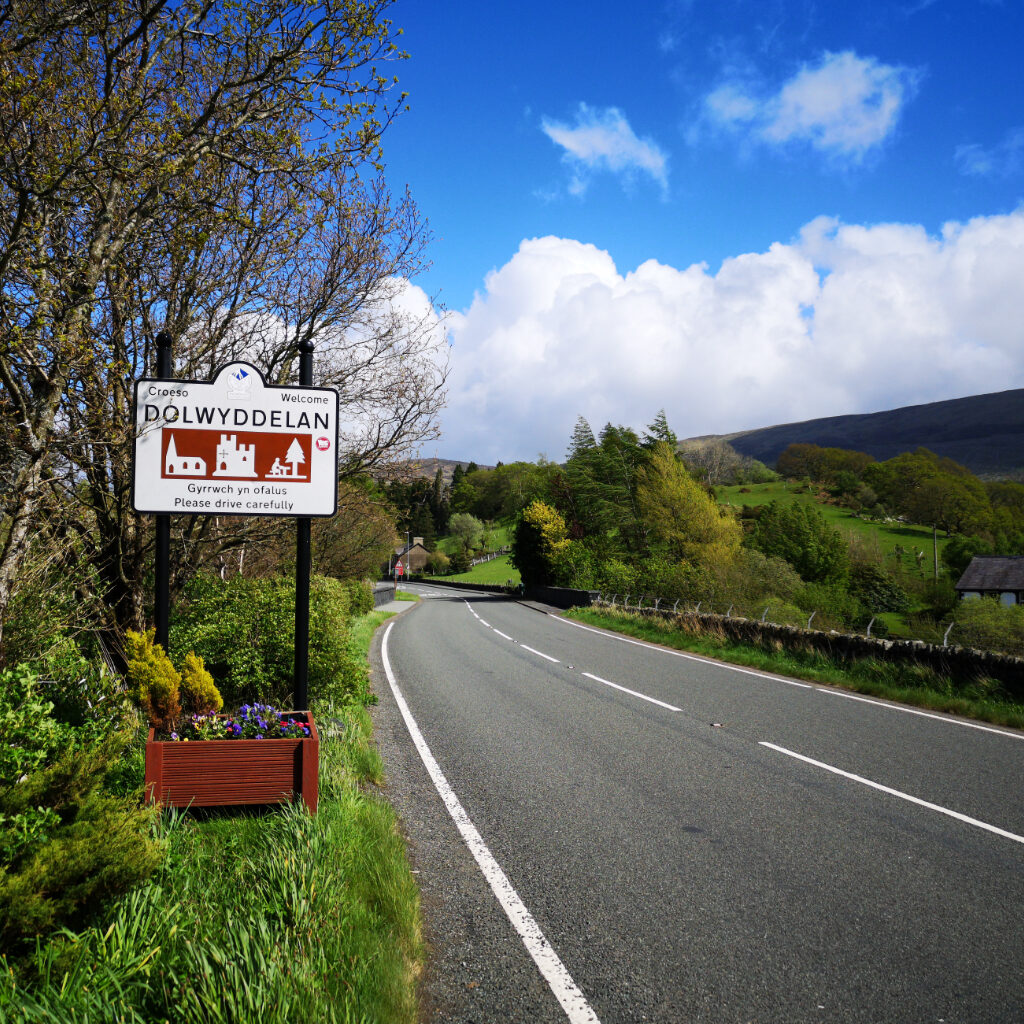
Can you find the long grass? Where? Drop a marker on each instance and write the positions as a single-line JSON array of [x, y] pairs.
[[909, 684], [275, 917]]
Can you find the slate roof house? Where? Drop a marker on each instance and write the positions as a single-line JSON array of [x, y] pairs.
[[1000, 576], [414, 556]]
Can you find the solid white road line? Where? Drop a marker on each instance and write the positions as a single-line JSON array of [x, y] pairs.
[[505, 635], [895, 792], [681, 654], [565, 990], [660, 703], [923, 714]]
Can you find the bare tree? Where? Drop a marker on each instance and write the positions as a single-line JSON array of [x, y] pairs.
[[199, 167]]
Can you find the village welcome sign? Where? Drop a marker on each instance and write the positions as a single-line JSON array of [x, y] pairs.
[[235, 446]]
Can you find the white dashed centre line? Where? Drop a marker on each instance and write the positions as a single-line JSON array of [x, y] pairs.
[[642, 696], [540, 654]]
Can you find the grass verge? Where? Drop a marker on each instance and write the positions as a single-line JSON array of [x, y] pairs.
[[269, 917], [907, 684]]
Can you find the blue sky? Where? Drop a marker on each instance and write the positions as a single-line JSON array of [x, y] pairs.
[[741, 211]]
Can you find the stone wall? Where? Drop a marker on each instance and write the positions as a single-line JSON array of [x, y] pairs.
[[962, 664]]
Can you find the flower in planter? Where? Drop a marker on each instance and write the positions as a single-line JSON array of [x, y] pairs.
[[253, 721]]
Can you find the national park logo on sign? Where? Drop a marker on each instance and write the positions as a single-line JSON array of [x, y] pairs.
[[235, 445]]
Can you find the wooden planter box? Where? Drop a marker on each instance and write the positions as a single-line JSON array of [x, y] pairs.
[[216, 773]]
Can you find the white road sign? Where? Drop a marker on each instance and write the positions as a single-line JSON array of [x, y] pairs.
[[235, 446]]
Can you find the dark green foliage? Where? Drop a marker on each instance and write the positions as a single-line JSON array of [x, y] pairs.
[[876, 589], [540, 534], [244, 629], [799, 534], [95, 845], [459, 561], [834, 606], [958, 553]]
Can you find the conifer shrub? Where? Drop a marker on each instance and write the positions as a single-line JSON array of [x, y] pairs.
[[96, 847], [153, 681], [66, 843], [199, 694]]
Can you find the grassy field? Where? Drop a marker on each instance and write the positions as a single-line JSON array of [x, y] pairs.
[[880, 538], [254, 918], [496, 536], [499, 570]]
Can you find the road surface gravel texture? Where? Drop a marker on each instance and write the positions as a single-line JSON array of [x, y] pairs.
[[696, 842]]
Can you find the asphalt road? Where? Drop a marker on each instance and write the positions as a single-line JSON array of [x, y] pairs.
[[680, 867]]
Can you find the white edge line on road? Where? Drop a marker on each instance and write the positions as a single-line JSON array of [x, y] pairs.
[[642, 696], [540, 654], [681, 654], [505, 635], [565, 990], [923, 714], [895, 792]]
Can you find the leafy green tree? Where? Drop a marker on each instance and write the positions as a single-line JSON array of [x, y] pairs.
[[540, 535], [466, 529], [799, 534], [682, 518], [659, 430], [212, 169]]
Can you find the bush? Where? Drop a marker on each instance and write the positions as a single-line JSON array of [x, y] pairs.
[[572, 565], [66, 845], [200, 695], [986, 624], [612, 576], [244, 630], [877, 590], [836, 607], [97, 847]]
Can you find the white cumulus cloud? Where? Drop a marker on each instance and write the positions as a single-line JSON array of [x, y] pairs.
[[844, 318], [602, 140], [845, 105]]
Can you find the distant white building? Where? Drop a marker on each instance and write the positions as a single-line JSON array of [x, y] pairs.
[[234, 459], [182, 465]]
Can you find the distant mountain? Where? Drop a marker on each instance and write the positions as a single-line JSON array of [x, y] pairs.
[[985, 433], [428, 468]]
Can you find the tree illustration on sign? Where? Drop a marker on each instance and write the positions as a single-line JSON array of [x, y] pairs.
[[295, 457]]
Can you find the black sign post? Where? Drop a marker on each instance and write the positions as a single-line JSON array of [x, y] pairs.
[[162, 597], [303, 559]]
